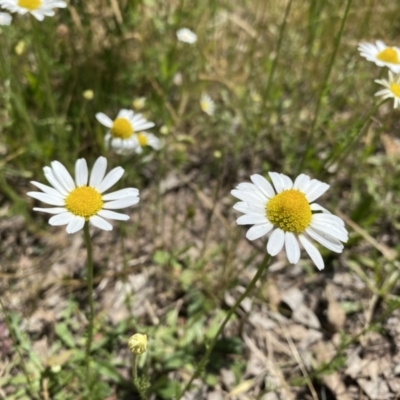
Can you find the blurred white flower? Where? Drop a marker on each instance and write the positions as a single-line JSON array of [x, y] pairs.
[[123, 130], [207, 104], [381, 55], [38, 8], [186, 35], [392, 88], [146, 139]]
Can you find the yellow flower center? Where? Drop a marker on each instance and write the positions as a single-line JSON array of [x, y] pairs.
[[388, 55], [122, 128], [30, 4], [290, 211], [395, 89], [84, 201], [142, 138]]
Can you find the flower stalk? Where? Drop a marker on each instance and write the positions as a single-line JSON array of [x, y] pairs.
[[89, 340], [232, 310]]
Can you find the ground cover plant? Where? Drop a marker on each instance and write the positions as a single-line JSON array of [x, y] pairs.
[[137, 137]]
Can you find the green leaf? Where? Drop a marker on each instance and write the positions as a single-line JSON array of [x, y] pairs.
[[64, 334]]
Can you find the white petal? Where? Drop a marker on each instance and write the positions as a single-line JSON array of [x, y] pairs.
[[121, 194], [248, 187], [98, 172], [122, 203], [61, 219], [111, 178], [53, 210], [263, 185], [104, 120], [63, 176], [380, 45], [81, 172], [76, 224], [138, 149], [277, 181], [313, 252], [275, 242], [292, 248], [317, 190], [128, 114], [301, 182], [337, 232], [144, 126], [49, 174], [287, 182], [244, 207], [326, 240], [37, 15], [328, 218], [113, 215], [47, 198], [137, 118], [250, 219], [153, 141], [100, 223], [250, 197], [47, 189], [317, 207], [257, 231]]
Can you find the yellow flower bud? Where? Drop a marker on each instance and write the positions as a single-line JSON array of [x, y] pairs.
[[20, 47], [88, 94], [138, 343], [164, 130], [217, 154], [139, 103]]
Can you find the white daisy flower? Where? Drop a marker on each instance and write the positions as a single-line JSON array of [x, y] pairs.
[[287, 213], [5, 19], [186, 35], [392, 88], [207, 104], [381, 55], [144, 139], [38, 8], [121, 135], [80, 201]]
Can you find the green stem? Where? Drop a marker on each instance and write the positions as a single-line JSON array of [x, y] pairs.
[[88, 243], [134, 367], [324, 86], [210, 348], [10, 327]]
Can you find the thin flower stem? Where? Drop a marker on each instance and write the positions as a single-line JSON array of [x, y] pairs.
[[324, 87], [211, 346], [134, 367], [88, 243], [10, 328]]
